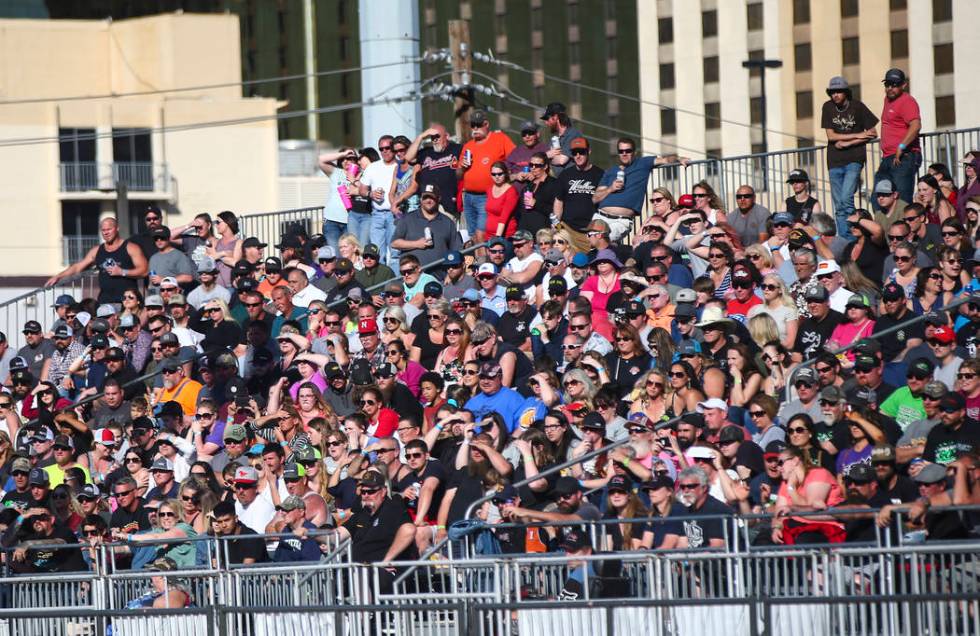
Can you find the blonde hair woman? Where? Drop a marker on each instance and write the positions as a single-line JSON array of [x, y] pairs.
[[349, 247], [652, 395], [763, 329], [394, 326], [563, 242], [662, 206], [761, 258], [708, 201], [777, 302]]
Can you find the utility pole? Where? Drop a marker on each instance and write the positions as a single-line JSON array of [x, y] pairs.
[[761, 66], [462, 61]]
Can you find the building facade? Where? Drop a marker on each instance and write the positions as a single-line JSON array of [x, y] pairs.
[[67, 148], [691, 52]]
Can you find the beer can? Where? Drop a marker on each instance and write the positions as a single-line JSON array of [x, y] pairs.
[[555, 142]]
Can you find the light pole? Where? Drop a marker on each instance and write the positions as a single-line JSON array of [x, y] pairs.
[[762, 65]]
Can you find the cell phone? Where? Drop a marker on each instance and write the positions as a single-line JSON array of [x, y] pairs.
[[478, 429]]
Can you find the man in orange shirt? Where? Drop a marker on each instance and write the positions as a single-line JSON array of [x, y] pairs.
[[479, 153], [180, 389]]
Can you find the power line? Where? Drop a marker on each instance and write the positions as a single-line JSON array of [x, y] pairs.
[[32, 141], [267, 80], [491, 59]]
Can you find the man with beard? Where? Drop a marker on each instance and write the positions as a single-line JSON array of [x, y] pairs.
[[571, 506], [338, 393], [912, 443], [689, 430], [895, 345], [177, 387], [896, 488], [66, 350], [905, 403], [692, 493], [956, 436], [514, 326], [863, 490], [765, 485], [396, 394], [815, 330]]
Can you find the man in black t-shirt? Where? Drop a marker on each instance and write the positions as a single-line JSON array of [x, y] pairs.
[[576, 185], [895, 345], [692, 489], [425, 491], [436, 157], [849, 125], [382, 530], [956, 434], [245, 548], [815, 331], [43, 530], [130, 516], [514, 325]]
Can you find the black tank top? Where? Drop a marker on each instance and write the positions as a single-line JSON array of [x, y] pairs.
[[111, 288], [523, 367], [802, 211]]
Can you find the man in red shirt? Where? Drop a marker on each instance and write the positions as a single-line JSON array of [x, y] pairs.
[[901, 155], [745, 298], [479, 153]]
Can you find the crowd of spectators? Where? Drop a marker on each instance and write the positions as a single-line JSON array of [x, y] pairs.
[[378, 379]]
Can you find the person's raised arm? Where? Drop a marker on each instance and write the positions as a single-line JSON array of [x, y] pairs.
[[87, 261], [498, 461], [413, 149]]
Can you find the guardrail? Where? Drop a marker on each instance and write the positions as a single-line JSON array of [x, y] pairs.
[[270, 227], [139, 176], [37, 304]]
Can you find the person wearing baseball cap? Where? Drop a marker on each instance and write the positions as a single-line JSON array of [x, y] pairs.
[[484, 149], [373, 272], [493, 396], [901, 122], [253, 511], [518, 160], [457, 280], [942, 343], [905, 403], [576, 186]]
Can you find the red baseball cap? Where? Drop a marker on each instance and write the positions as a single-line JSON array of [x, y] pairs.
[[368, 325], [943, 334], [685, 201]]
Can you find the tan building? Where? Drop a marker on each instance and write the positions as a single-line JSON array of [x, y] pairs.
[[691, 54], [61, 158]]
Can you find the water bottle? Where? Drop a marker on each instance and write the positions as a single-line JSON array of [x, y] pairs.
[[555, 142], [344, 197], [352, 171], [528, 199], [621, 175]]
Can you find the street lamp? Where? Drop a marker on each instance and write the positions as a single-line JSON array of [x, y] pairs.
[[762, 65]]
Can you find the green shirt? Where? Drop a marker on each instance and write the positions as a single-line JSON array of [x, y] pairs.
[[904, 407]]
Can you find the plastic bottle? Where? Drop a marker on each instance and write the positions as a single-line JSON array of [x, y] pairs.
[[353, 170], [621, 175], [345, 197], [555, 142], [528, 199], [428, 237]]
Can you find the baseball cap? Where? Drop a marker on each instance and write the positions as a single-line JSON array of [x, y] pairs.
[[453, 259], [937, 318], [832, 394], [104, 436], [115, 353], [38, 477], [161, 231], [783, 217], [921, 368], [700, 452], [430, 190], [712, 403], [557, 286], [892, 292], [528, 126], [326, 253], [598, 225], [162, 465], [385, 370], [931, 474], [471, 295], [289, 241], [554, 255], [827, 267], [862, 397], [861, 473], [579, 143], [206, 265], [343, 266], [236, 433], [935, 389], [63, 300], [553, 109], [883, 454], [90, 491], [943, 334], [63, 331], [797, 175], [32, 326], [894, 76], [594, 422], [818, 293], [245, 475], [952, 401], [514, 292], [169, 338], [486, 269], [490, 370], [478, 118], [63, 441], [432, 288], [686, 310], [521, 236], [169, 282], [806, 374], [292, 470], [333, 371], [884, 186], [580, 260], [774, 448], [292, 502], [685, 201], [253, 242], [858, 300], [154, 300], [372, 479], [837, 83], [368, 325]]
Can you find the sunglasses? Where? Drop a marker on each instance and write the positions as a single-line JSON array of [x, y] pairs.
[[755, 414], [369, 491], [368, 402], [470, 372], [165, 515], [625, 151], [414, 455]]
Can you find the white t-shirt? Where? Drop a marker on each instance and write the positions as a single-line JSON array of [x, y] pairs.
[[838, 300], [379, 175], [258, 514], [518, 265]]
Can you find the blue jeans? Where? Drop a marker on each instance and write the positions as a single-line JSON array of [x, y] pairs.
[[475, 212], [358, 224], [843, 185], [382, 227], [332, 231], [902, 176]]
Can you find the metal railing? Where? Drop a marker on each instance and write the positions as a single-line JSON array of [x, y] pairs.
[[85, 176], [767, 172], [37, 304], [73, 248], [270, 227]]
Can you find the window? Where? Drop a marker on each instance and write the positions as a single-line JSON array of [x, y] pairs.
[[851, 51], [897, 5], [856, 92], [942, 58], [801, 11], [755, 110], [942, 10], [756, 55], [900, 44], [709, 23], [754, 16], [666, 76], [804, 104], [76, 145], [712, 115], [802, 57], [848, 8], [131, 145], [665, 30], [945, 111], [711, 69], [668, 122]]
